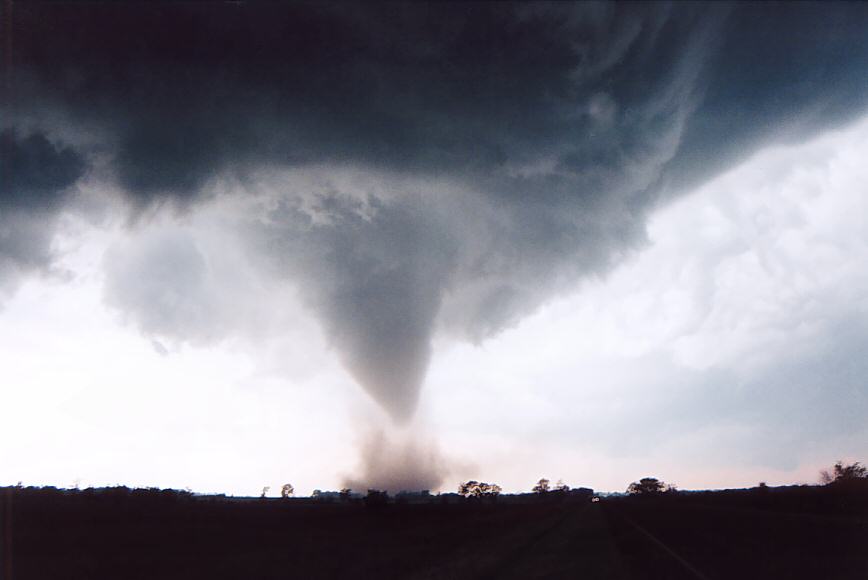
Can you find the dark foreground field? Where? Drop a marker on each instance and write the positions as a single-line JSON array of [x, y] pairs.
[[811, 533]]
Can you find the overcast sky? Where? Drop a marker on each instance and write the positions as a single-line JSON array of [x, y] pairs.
[[406, 245]]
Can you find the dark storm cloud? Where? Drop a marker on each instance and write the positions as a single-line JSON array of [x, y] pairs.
[[781, 73], [188, 92], [34, 172], [536, 138], [35, 177]]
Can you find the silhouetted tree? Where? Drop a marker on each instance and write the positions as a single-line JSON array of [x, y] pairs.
[[286, 491], [561, 487], [469, 488], [475, 488], [346, 493], [844, 473], [491, 490], [648, 486], [542, 486], [265, 490]]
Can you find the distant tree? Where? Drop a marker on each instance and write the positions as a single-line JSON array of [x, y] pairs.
[[542, 486], [490, 490], [265, 490], [287, 490], [316, 493], [475, 488], [468, 488], [844, 473], [346, 493], [561, 487], [647, 486]]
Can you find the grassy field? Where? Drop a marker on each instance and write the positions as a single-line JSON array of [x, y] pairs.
[[798, 533]]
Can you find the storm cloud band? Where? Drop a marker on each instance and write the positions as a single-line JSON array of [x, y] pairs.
[[422, 166]]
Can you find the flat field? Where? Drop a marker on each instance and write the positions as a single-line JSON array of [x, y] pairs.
[[781, 533]]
